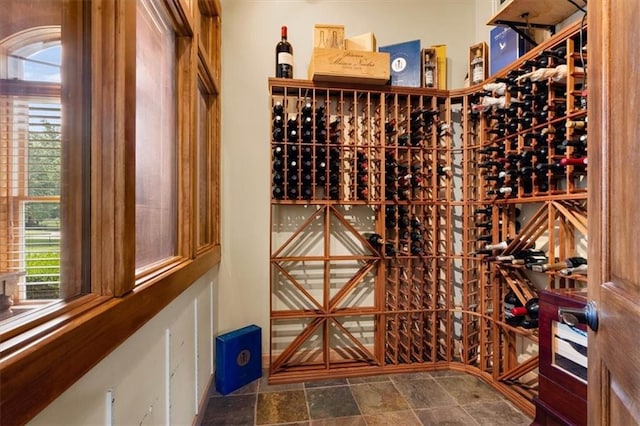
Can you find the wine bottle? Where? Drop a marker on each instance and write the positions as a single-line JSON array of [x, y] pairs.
[[293, 166], [390, 222], [278, 121], [511, 301], [334, 178], [518, 256], [486, 211], [530, 308], [306, 178], [489, 164], [307, 109], [570, 262], [278, 109], [529, 323], [533, 259], [293, 135], [278, 178], [278, 192], [491, 149], [278, 164], [443, 170], [577, 124], [582, 161], [477, 67], [284, 56], [580, 269], [376, 240], [362, 192], [278, 151], [498, 246], [307, 192], [389, 249], [293, 178], [429, 70], [306, 152], [334, 192], [542, 168], [278, 134]]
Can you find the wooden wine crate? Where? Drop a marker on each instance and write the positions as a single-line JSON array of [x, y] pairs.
[[349, 66], [478, 51], [328, 36], [366, 42]]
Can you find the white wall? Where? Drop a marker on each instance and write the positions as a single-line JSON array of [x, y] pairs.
[[158, 376], [250, 31]]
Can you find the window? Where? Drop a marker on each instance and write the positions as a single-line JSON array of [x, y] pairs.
[[31, 146], [109, 145], [156, 137]]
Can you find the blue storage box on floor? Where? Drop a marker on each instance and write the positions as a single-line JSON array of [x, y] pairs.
[[238, 358]]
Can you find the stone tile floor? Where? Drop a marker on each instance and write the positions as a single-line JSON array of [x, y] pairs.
[[436, 398]]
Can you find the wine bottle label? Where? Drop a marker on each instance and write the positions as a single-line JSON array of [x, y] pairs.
[[285, 58], [478, 74], [428, 78]]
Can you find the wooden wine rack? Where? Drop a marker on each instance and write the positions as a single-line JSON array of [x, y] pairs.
[[413, 166]]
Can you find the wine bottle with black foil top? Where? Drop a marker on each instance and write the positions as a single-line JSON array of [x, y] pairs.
[[571, 262], [284, 56]]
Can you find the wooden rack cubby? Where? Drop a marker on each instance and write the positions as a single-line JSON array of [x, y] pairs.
[[383, 200]]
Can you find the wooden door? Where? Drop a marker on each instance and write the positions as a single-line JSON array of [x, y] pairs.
[[614, 211]]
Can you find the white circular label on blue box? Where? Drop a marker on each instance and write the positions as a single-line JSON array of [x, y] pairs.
[[399, 64], [243, 358]]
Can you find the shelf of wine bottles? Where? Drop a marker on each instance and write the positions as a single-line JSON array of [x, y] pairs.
[[473, 199], [530, 127], [357, 146]]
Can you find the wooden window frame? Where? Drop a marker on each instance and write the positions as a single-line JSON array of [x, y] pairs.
[[74, 335]]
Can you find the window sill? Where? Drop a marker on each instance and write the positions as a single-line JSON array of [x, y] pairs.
[[81, 334]]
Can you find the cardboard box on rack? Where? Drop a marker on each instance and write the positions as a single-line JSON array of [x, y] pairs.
[[405, 63], [441, 56]]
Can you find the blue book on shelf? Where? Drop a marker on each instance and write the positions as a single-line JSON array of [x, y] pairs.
[[238, 358], [404, 63]]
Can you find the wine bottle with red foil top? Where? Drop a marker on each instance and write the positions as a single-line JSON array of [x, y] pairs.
[[284, 56], [527, 313], [581, 161], [531, 308], [511, 301]]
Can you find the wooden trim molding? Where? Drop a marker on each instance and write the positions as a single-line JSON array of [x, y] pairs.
[[87, 335]]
